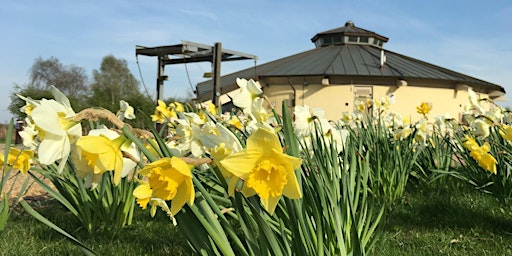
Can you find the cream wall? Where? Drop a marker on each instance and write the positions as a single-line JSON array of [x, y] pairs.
[[336, 99], [445, 101]]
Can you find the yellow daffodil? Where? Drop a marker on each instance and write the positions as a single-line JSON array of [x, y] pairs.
[[470, 143], [265, 169], [167, 179], [178, 107], [424, 108], [481, 154], [163, 112], [506, 132], [211, 108], [235, 122], [86, 168], [19, 159], [484, 159], [103, 154], [488, 162]]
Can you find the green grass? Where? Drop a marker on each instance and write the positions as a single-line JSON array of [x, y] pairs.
[[146, 236], [444, 218], [447, 218]]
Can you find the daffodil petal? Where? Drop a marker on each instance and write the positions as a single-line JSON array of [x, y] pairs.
[[53, 148], [263, 140], [184, 194], [180, 166], [292, 188], [142, 191], [241, 164], [270, 204]]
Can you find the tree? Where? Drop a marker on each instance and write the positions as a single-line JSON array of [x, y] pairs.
[[114, 82], [70, 80]]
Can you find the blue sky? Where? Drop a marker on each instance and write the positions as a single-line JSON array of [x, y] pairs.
[[471, 37]]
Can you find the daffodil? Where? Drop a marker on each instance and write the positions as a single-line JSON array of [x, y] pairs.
[[103, 154], [210, 108], [249, 90], [484, 159], [234, 121], [178, 107], [481, 154], [19, 159], [125, 110], [360, 106], [481, 127], [422, 131], [474, 102], [29, 135], [346, 117], [470, 143], [56, 132], [168, 179], [265, 169], [424, 108], [88, 170], [506, 132], [303, 121], [163, 113], [189, 131]]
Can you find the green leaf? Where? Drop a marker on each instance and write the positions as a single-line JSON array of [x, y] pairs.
[[86, 250], [4, 211]]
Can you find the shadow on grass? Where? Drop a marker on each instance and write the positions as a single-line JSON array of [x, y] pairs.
[[450, 206]]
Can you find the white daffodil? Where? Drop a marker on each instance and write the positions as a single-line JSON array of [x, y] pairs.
[[422, 131], [189, 131], [29, 135], [347, 118], [57, 132], [481, 127], [495, 114], [215, 134], [474, 102], [303, 121], [125, 110], [249, 90], [258, 111]]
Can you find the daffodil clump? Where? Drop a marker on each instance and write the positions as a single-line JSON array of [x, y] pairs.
[[19, 159]]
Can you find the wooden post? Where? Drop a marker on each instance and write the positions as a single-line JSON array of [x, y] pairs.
[[217, 58], [160, 78]]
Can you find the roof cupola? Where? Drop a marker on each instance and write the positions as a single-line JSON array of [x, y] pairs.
[[349, 34]]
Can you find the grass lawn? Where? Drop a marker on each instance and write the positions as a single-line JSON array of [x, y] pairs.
[[444, 218], [447, 218]]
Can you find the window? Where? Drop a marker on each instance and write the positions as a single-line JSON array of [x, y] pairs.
[[363, 39], [362, 93], [352, 39], [337, 39]]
